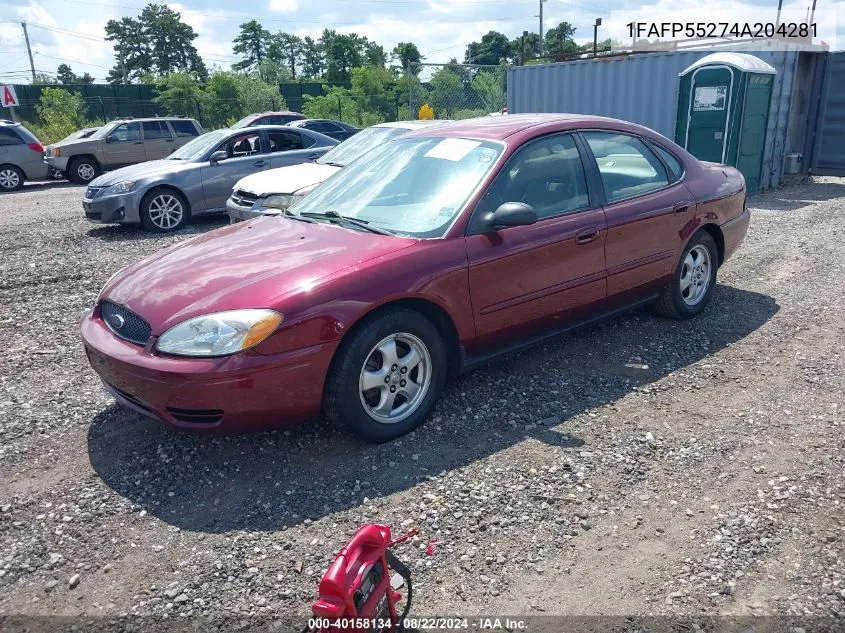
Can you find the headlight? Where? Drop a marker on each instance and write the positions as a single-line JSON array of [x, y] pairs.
[[278, 202], [54, 152], [219, 334], [121, 187]]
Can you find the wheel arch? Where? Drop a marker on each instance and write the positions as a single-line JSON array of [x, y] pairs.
[[156, 186], [84, 156], [715, 232]]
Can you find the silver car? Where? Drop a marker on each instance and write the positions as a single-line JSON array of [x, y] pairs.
[[197, 178], [21, 156]]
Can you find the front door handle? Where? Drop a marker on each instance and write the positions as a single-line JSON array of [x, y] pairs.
[[259, 163], [682, 206], [585, 237], [139, 142]]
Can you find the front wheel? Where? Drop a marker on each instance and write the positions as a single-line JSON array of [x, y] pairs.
[[163, 211], [387, 377], [695, 276], [83, 170]]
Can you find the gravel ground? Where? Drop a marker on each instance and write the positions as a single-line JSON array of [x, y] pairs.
[[640, 467]]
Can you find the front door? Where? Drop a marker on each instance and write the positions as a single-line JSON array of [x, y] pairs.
[[158, 141], [524, 279], [709, 109], [123, 146], [647, 208], [244, 157]]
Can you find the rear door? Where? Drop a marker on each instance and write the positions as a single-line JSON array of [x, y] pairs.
[[291, 147], [524, 279], [158, 141], [647, 206], [245, 156], [124, 145]]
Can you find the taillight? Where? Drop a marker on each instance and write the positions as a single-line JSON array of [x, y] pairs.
[[36, 147]]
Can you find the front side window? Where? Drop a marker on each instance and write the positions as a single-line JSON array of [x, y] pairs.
[[126, 132], [412, 186], [154, 130], [241, 145], [286, 141], [628, 168], [546, 174]]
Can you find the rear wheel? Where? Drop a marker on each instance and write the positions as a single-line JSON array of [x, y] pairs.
[[83, 170], [695, 276], [387, 377], [163, 211], [11, 178]]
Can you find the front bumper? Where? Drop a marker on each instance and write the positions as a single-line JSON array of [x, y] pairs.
[[242, 213], [117, 209], [58, 162], [234, 394]]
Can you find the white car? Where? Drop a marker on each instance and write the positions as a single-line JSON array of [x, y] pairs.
[[271, 192]]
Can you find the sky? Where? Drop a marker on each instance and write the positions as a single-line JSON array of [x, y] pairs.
[[440, 28]]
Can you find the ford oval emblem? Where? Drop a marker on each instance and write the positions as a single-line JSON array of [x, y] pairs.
[[116, 321]]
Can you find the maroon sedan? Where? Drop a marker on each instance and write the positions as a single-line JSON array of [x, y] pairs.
[[426, 257]]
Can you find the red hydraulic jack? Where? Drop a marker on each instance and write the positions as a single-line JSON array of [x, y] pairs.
[[355, 593]]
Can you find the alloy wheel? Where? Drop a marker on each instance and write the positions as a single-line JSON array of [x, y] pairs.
[[166, 211], [695, 275], [395, 378], [9, 179], [86, 171]]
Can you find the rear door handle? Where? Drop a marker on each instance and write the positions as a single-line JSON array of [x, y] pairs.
[[585, 237], [682, 206], [259, 163], [139, 142]]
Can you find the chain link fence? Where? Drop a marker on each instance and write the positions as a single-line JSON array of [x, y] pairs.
[[453, 91]]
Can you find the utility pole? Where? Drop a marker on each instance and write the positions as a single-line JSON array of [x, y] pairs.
[[777, 20], [541, 26], [29, 51], [522, 48], [596, 36], [810, 21]]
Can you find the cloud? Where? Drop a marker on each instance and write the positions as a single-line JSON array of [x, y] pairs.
[[283, 6]]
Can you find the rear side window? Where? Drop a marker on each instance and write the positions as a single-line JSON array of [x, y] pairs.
[[628, 168], [669, 158], [184, 128], [155, 129], [8, 137], [286, 141]]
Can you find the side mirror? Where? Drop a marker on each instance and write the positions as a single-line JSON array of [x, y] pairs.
[[217, 156], [511, 214], [110, 139]]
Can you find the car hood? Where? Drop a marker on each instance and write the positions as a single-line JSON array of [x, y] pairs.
[[246, 265], [285, 180], [76, 143], [141, 170]]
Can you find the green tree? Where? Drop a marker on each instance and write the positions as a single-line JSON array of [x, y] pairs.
[[86, 78], [373, 86], [446, 92], [493, 48], [255, 95], [531, 48], [489, 91], [180, 93], [61, 112], [43, 79], [65, 74], [405, 52], [252, 43], [312, 57], [273, 72], [221, 99], [337, 104], [375, 55], [559, 39], [343, 52], [287, 48], [158, 41]]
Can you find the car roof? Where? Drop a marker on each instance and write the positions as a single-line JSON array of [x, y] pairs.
[[152, 118], [258, 114], [412, 125], [499, 128]]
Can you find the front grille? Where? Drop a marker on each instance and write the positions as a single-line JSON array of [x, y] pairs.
[[127, 325], [244, 198], [91, 192], [196, 416]]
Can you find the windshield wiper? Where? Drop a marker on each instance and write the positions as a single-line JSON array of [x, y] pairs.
[[335, 218], [332, 164], [293, 216]]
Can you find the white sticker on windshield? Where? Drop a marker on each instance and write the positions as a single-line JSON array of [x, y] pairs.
[[452, 149]]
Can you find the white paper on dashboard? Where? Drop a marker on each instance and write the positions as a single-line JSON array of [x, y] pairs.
[[452, 149]]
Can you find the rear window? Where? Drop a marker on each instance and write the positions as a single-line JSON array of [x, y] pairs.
[[155, 129], [183, 127], [8, 137], [669, 158]]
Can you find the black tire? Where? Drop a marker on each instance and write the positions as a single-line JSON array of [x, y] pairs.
[[676, 302], [151, 222], [343, 402], [11, 178], [83, 170]]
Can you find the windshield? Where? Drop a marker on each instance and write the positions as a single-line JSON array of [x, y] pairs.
[[361, 143], [412, 186], [197, 148], [104, 131]]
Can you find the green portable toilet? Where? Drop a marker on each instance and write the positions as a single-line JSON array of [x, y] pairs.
[[723, 111]]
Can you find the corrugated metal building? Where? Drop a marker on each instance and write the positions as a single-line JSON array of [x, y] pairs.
[[643, 88]]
